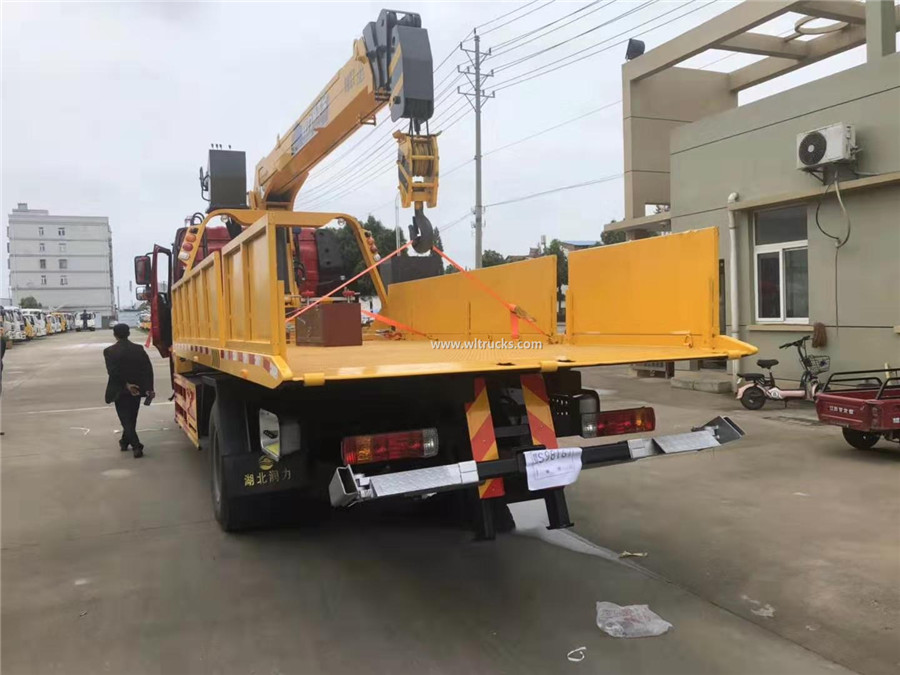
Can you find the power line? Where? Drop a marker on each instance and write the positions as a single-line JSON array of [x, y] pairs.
[[543, 193], [543, 35], [348, 151], [372, 169], [321, 190], [450, 226], [612, 20], [555, 126], [375, 147], [546, 25], [364, 162], [521, 16], [524, 77], [504, 15], [540, 132]]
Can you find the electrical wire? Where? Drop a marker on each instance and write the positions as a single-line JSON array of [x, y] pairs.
[[546, 68], [543, 193], [326, 179], [553, 128], [447, 228], [374, 168], [521, 16], [327, 171], [544, 50], [445, 174], [838, 241], [534, 73], [377, 152], [506, 14], [522, 36], [322, 170]]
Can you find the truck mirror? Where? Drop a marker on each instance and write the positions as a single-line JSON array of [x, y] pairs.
[[142, 294], [142, 269]]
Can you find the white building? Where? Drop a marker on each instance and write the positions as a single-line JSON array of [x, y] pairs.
[[65, 262]]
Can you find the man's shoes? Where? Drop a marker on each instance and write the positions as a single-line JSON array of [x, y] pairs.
[[138, 451], [123, 446]]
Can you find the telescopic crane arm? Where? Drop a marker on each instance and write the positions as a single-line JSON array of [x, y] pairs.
[[391, 65]]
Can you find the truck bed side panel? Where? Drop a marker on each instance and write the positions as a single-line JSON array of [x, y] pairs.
[[453, 305], [657, 291]]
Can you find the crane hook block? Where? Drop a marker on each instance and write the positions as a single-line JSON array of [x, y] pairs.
[[417, 168], [421, 233]]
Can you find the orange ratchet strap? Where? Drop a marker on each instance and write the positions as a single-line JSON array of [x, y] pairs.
[[515, 312], [390, 322]]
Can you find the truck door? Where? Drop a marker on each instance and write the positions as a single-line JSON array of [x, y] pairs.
[[160, 300]]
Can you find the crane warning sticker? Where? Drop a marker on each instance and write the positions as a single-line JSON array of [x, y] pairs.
[[552, 468]]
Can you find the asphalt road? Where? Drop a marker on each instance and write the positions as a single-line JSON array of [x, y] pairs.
[[115, 565]]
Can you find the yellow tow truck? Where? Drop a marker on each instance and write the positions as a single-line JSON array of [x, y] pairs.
[[462, 383]]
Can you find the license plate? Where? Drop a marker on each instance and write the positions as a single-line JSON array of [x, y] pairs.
[[552, 468]]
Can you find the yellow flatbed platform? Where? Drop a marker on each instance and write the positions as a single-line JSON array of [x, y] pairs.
[[650, 300], [402, 358]]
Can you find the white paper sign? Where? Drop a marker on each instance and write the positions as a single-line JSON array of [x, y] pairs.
[[552, 468]]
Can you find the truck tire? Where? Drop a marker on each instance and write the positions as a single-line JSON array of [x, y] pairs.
[[753, 398], [232, 513], [861, 440]]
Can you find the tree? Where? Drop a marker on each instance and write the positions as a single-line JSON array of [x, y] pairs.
[[612, 236], [450, 269], [562, 264], [30, 302], [618, 236], [437, 241], [385, 242], [490, 258]]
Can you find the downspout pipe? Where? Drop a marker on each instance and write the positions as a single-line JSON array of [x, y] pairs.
[[733, 302]]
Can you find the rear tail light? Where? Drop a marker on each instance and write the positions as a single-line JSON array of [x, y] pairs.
[[385, 447], [616, 422], [876, 414]]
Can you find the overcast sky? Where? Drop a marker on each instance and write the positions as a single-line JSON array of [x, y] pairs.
[[108, 109]]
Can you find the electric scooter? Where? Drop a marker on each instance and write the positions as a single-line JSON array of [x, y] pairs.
[[759, 387]]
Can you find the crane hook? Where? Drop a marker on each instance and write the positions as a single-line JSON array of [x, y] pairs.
[[421, 233]]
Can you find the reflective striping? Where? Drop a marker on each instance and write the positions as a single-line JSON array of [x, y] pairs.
[[482, 438], [264, 362], [537, 403]]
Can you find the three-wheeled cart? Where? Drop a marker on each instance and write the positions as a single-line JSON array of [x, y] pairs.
[[864, 403]]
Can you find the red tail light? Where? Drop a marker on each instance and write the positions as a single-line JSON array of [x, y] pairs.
[[616, 422], [385, 447]]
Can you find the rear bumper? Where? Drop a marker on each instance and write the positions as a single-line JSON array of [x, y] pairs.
[[348, 487]]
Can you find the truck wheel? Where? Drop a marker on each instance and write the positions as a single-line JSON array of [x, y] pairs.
[[753, 398], [861, 440], [231, 512]]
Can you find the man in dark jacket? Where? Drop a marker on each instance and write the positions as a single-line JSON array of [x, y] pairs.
[[130, 378]]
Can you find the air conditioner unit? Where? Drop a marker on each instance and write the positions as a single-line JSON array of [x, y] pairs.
[[828, 145]]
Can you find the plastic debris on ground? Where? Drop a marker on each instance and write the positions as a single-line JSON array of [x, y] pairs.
[[630, 621], [576, 654], [632, 554]]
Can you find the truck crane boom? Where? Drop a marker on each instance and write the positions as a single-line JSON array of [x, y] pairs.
[[391, 65]]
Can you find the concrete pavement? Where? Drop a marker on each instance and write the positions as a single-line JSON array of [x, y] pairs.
[[115, 565]]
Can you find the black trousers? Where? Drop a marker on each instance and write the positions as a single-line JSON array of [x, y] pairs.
[[127, 407]]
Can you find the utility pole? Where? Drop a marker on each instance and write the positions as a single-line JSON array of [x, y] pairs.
[[397, 219], [479, 96]]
